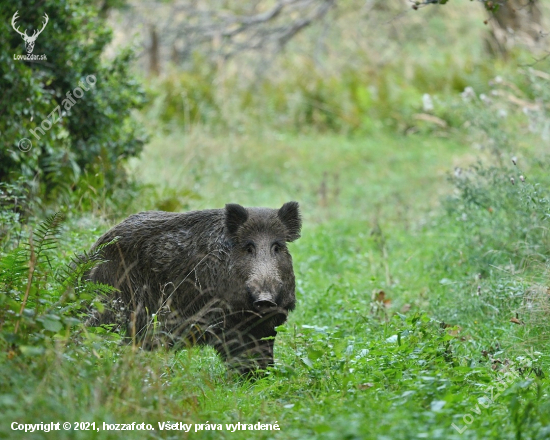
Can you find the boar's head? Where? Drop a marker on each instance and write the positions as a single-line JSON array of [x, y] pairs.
[[260, 261]]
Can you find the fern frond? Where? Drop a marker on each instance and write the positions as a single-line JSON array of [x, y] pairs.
[[46, 234], [13, 267], [97, 289], [73, 274]]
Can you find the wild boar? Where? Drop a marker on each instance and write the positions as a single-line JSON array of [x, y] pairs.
[[222, 277]]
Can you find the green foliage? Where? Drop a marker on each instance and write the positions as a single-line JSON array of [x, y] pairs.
[[355, 100], [498, 216], [13, 202], [500, 194], [41, 298], [187, 97], [488, 201], [92, 136]]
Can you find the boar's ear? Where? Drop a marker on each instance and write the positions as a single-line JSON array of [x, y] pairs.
[[235, 216], [289, 214]]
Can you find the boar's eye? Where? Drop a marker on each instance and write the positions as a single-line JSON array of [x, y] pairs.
[[277, 247], [250, 248]]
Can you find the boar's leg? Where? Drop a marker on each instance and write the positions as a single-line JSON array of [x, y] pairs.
[[246, 343], [245, 352]]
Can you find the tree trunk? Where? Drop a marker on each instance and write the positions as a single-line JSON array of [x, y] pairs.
[[516, 22], [154, 59]]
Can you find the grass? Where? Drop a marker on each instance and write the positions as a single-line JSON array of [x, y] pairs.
[[389, 339], [333, 176]]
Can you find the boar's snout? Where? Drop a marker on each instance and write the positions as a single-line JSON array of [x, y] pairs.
[[264, 294], [264, 303]]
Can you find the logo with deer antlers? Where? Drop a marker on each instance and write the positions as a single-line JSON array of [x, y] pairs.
[[29, 40]]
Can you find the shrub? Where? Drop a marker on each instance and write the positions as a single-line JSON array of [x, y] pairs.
[[498, 255], [94, 135]]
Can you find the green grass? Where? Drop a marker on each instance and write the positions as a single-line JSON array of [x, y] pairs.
[[348, 366], [332, 176]]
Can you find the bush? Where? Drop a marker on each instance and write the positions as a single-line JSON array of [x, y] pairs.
[[502, 202], [502, 223], [498, 257], [93, 135], [302, 96]]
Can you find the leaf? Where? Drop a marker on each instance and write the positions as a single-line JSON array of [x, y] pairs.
[[99, 306], [31, 351], [517, 321], [307, 362], [437, 405], [8, 400], [51, 324], [314, 354], [323, 427], [71, 321]]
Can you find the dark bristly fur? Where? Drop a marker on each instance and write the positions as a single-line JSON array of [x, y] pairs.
[[222, 277]]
